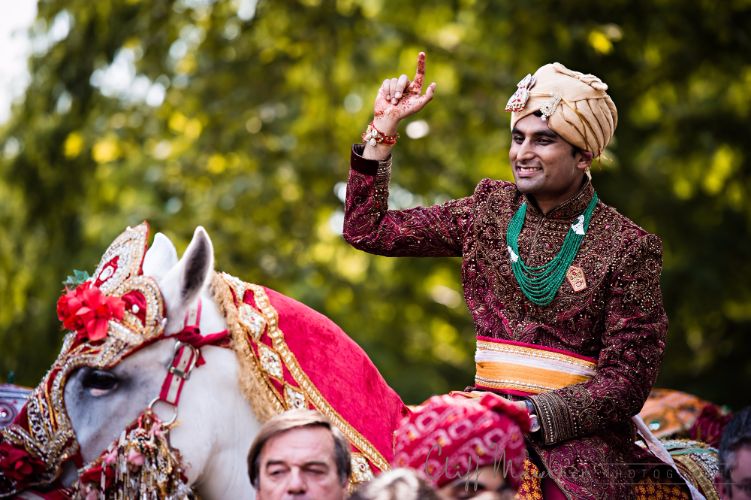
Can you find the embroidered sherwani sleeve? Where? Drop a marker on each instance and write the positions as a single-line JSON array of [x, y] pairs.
[[370, 226], [632, 349]]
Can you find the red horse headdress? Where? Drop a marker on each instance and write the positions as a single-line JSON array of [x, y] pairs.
[[110, 316]]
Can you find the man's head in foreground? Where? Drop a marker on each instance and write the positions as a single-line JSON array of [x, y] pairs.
[[467, 448], [560, 120], [396, 484], [735, 458], [299, 454]]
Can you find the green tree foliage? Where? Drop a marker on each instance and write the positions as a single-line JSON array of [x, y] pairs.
[[239, 117]]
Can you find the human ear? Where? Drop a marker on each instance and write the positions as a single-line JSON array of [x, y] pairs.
[[585, 160]]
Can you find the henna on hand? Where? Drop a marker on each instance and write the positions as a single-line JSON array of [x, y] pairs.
[[400, 98]]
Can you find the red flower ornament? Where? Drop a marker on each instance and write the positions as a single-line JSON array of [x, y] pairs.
[[87, 311], [17, 464]]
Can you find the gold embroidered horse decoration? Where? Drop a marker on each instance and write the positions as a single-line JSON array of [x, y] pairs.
[[167, 372]]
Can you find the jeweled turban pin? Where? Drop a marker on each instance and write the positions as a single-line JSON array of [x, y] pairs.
[[521, 96]]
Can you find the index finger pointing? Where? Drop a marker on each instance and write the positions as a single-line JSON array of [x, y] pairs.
[[420, 74]]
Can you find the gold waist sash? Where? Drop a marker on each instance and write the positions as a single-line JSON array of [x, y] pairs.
[[522, 369]]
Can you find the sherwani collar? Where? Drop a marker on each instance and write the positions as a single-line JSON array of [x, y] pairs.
[[568, 209]]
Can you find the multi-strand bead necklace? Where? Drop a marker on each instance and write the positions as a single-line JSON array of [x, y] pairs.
[[540, 283]]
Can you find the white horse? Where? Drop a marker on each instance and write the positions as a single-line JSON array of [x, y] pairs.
[[216, 426], [219, 409]]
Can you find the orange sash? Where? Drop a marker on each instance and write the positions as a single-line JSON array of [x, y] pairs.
[[523, 369], [517, 368]]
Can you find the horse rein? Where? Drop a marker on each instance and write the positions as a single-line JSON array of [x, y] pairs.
[[186, 357]]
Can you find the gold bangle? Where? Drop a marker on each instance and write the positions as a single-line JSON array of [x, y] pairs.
[[373, 136]]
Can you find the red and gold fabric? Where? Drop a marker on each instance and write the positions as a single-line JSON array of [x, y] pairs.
[[451, 436], [290, 355], [294, 357]]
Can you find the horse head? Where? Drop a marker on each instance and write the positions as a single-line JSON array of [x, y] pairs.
[[167, 370], [141, 378], [215, 427]]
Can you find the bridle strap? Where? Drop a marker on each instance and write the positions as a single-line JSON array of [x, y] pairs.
[[193, 315], [184, 360], [187, 355]]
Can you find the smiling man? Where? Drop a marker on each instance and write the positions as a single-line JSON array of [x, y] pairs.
[[299, 455], [564, 291]]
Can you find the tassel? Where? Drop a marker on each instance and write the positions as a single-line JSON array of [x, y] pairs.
[[144, 466]]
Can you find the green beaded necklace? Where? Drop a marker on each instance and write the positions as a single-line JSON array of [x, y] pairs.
[[540, 283]]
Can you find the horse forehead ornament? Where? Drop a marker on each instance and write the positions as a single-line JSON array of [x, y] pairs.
[[120, 311], [115, 313]]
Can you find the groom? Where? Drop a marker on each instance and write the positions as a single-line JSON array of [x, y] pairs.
[[564, 291]]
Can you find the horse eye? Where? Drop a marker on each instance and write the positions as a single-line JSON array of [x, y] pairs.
[[98, 381]]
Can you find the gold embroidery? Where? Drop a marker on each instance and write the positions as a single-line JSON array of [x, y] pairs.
[[257, 388], [361, 471], [556, 421], [294, 398], [310, 390], [502, 365], [534, 352], [253, 321], [512, 384], [270, 362], [127, 251]]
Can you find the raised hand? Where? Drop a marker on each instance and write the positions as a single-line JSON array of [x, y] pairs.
[[399, 98]]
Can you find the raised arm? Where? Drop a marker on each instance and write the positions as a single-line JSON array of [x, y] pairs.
[[418, 232], [368, 223]]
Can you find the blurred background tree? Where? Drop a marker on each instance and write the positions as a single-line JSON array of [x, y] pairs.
[[239, 116]]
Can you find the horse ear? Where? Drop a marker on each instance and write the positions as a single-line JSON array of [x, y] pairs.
[[184, 282], [160, 258]]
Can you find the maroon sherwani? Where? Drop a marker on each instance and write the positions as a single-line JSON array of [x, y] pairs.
[[587, 440]]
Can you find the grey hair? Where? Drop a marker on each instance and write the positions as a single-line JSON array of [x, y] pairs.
[[296, 419], [396, 484]]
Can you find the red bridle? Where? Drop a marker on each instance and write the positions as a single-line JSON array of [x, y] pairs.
[[144, 443], [187, 356]]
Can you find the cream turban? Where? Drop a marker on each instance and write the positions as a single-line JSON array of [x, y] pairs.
[[576, 106]]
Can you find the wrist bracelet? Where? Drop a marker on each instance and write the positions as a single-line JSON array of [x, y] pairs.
[[373, 136]]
